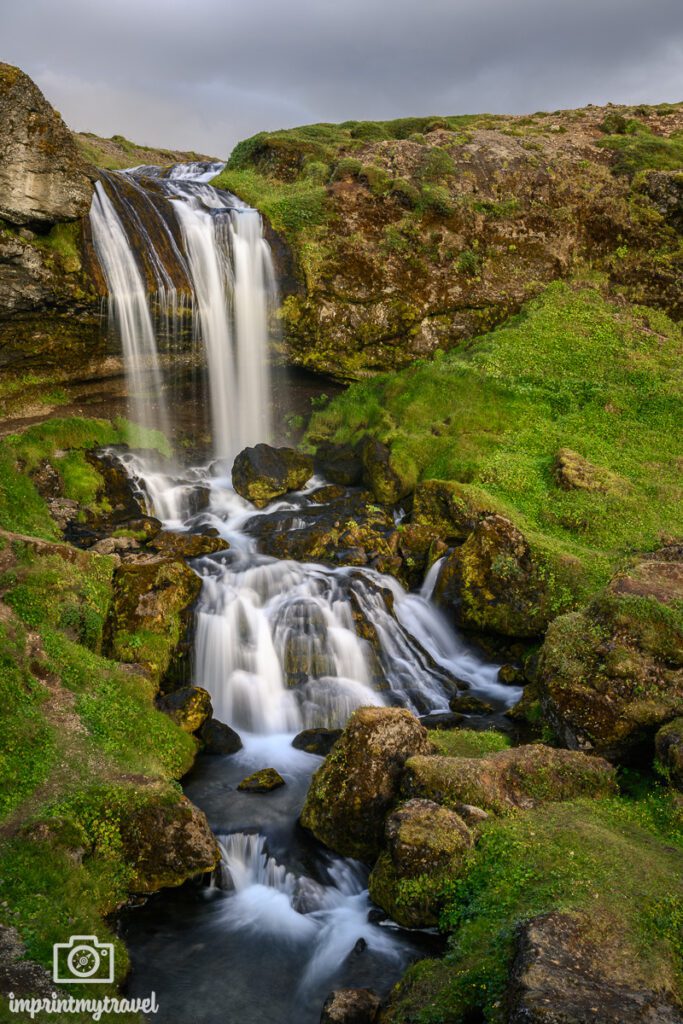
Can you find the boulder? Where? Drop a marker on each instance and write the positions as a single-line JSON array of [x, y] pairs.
[[339, 463], [263, 473], [316, 741], [351, 1006], [425, 846], [562, 974], [381, 474], [669, 750], [467, 705], [263, 781], [446, 507], [189, 707], [166, 841], [186, 545], [611, 675], [521, 777], [352, 791], [43, 178], [219, 738], [574, 473]]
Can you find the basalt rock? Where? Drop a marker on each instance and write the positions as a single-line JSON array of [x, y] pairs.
[[351, 792], [339, 463], [263, 473], [316, 741], [522, 777], [611, 675], [669, 750], [189, 707], [218, 738], [425, 846], [263, 781]]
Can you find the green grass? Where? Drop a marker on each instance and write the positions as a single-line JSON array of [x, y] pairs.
[[568, 857], [639, 149], [468, 742], [574, 370], [290, 208]]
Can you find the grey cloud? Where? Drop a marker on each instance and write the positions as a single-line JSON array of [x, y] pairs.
[[203, 74]]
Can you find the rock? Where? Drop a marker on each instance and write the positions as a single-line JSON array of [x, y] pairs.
[[468, 705], [316, 741], [263, 781], [351, 1006], [471, 814], [219, 738], [563, 975], [574, 473], [446, 507], [611, 675], [495, 583], [510, 675], [339, 463], [425, 846], [329, 492], [665, 189], [520, 777], [186, 545], [198, 500], [189, 707], [442, 720], [262, 473], [43, 179], [148, 612], [669, 750], [381, 474], [351, 792], [166, 842], [115, 546], [25, 978]]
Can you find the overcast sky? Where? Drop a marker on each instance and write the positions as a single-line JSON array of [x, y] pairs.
[[202, 74]]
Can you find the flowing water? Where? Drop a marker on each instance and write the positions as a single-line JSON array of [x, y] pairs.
[[278, 645]]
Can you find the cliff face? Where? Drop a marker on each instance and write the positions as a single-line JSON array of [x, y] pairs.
[[413, 235]]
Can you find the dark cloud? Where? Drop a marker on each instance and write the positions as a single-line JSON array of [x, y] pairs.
[[206, 73]]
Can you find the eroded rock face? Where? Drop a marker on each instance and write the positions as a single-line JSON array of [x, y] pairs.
[[166, 842], [263, 473], [522, 777], [611, 675], [43, 179], [425, 845], [351, 792], [563, 976]]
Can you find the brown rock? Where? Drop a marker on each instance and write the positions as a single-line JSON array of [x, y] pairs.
[[350, 1006]]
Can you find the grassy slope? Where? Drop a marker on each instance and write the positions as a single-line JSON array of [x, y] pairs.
[[576, 371], [72, 767], [118, 152]]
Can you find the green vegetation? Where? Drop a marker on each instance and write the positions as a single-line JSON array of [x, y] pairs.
[[468, 742], [568, 857], [290, 208], [573, 371], [637, 148]]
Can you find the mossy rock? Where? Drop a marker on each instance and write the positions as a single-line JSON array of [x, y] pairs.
[[186, 545], [263, 781], [574, 473], [189, 707], [669, 750], [351, 792], [522, 777], [447, 507], [387, 481], [263, 473], [611, 675], [425, 848]]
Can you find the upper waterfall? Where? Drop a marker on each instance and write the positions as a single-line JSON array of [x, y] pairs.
[[173, 243]]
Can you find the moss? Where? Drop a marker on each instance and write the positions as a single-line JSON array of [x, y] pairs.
[[640, 149], [468, 742]]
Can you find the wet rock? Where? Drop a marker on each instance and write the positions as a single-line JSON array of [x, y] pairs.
[[669, 750], [189, 707], [263, 781], [381, 474], [263, 473], [442, 720], [166, 841], [339, 463], [219, 738], [324, 495], [425, 846], [468, 705], [520, 777], [510, 675], [316, 741], [351, 792], [351, 1006], [148, 613], [43, 178], [25, 978], [198, 500], [186, 545], [447, 508], [611, 675], [562, 974], [148, 526]]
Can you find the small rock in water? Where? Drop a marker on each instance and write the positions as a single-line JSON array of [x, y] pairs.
[[444, 720], [219, 738], [262, 781], [316, 741], [470, 705], [509, 675], [351, 1006]]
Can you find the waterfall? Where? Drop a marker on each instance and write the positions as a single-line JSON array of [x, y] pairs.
[[205, 250]]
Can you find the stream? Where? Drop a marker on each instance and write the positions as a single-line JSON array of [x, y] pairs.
[[276, 642]]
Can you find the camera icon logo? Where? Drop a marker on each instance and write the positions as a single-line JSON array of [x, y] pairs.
[[83, 959]]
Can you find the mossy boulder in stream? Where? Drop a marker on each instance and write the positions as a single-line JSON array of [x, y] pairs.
[[189, 707], [522, 777], [263, 473], [265, 780], [352, 791], [611, 675], [425, 847]]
